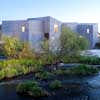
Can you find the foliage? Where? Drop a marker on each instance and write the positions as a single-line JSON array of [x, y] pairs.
[[71, 43], [12, 46], [70, 58], [84, 70], [83, 43], [31, 88], [89, 60], [78, 70], [23, 87], [48, 58], [55, 84], [2, 74], [26, 52], [2, 51], [15, 48], [45, 46], [60, 72], [43, 75], [15, 67]]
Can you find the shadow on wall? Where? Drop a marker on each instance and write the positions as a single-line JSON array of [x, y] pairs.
[[97, 46]]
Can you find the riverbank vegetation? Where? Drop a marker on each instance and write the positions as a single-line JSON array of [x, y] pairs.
[[89, 60], [51, 85], [15, 67], [22, 60], [80, 70], [31, 88]]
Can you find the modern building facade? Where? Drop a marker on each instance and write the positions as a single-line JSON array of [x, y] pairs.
[[88, 30], [35, 30]]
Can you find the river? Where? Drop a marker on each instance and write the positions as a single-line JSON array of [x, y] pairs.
[[8, 89], [93, 52]]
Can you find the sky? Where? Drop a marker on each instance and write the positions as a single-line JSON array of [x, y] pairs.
[[86, 11]]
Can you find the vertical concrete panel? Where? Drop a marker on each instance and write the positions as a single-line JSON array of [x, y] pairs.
[[95, 34], [72, 26], [36, 34], [54, 41]]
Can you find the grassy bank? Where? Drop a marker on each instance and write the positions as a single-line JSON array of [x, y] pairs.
[[16, 67], [48, 83]]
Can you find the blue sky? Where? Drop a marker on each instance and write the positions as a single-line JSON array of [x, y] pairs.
[[64, 10]]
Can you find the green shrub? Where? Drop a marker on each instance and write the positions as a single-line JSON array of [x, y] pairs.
[[10, 72], [12, 46], [43, 75], [89, 60], [26, 52], [31, 88], [55, 84], [71, 43], [63, 72], [26, 86], [15, 67], [83, 70], [2, 74], [48, 58], [77, 70], [59, 72]]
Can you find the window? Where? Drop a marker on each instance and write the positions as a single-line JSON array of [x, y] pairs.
[[46, 35], [88, 31], [55, 28], [23, 29]]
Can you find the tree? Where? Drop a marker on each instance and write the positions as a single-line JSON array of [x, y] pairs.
[[12, 46], [71, 42], [27, 52]]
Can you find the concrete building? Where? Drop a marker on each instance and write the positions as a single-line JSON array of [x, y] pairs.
[[88, 30], [35, 30]]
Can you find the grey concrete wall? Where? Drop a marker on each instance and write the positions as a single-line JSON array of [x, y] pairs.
[[36, 34], [92, 35], [54, 41], [35, 28], [38, 27], [0, 31], [14, 28], [95, 35], [81, 28], [72, 26]]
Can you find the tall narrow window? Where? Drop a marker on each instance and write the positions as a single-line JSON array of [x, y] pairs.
[[23, 28], [88, 31], [55, 28]]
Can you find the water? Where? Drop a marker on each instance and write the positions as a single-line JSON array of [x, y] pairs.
[[8, 90], [93, 52]]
